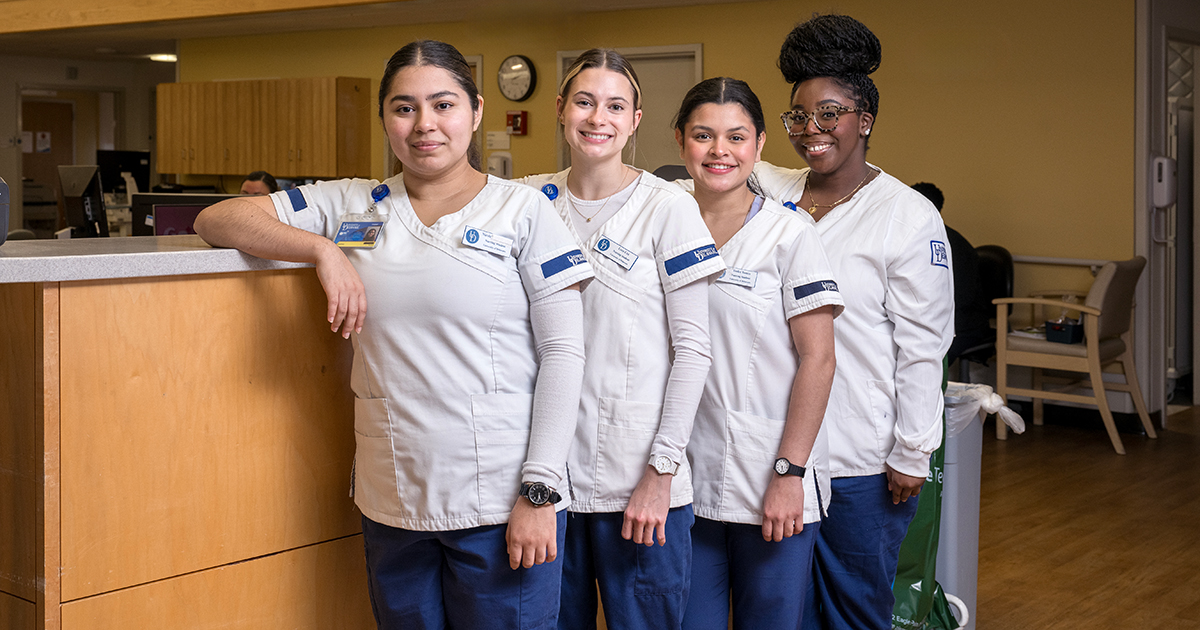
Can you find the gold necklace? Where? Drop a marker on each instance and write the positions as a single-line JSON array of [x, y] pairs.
[[815, 205], [604, 205]]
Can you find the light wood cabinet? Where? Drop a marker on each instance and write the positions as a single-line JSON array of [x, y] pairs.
[[175, 452], [316, 127]]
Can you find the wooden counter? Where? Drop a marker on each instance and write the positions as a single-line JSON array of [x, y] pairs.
[[175, 450]]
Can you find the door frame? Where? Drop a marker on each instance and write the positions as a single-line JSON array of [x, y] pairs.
[[1156, 22]]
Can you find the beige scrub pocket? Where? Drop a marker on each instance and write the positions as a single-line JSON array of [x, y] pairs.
[[750, 462], [626, 431], [374, 459], [502, 424]]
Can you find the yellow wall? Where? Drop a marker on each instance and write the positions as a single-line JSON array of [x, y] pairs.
[[1022, 112]]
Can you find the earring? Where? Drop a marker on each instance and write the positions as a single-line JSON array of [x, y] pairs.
[[867, 132]]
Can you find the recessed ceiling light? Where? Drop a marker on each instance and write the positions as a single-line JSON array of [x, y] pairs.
[[166, 58]]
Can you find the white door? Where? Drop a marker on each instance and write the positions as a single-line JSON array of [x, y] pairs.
[[666, 73]]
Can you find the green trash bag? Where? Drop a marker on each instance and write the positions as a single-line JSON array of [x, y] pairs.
[[920, 602]]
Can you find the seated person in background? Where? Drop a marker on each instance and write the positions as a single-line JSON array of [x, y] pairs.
[[259, 183], [971, 309]]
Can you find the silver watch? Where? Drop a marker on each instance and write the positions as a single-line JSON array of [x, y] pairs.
[[663, 465]]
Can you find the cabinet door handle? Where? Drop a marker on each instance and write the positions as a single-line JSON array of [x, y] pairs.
[[226, 154], [299, 155]]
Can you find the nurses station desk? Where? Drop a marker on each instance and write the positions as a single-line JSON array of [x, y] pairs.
[[176, 437]]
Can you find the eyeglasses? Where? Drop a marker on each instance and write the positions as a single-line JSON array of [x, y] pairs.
[[825, 118]]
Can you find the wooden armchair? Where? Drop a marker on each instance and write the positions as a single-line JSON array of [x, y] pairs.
[[1107, 315]]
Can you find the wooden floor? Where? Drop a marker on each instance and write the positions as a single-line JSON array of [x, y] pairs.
[[1074, 536]]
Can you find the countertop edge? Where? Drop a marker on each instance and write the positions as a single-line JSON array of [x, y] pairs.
[[152, 258]]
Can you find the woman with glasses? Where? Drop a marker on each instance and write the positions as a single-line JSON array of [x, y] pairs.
[[648, 353], [887, 246], [758, 455]]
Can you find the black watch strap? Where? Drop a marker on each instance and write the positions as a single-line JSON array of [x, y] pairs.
[[539, 493], [785, 467]]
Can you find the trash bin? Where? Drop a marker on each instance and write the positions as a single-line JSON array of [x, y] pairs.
[[958, 546]]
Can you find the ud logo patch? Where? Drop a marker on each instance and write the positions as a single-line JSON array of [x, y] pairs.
[[939, 256], [551, 191], [472, 236]]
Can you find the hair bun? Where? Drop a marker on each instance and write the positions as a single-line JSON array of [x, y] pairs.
[[829, 46]]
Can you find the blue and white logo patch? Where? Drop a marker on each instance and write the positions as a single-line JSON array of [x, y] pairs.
[[688, 259], [551, 191], [812, 288], [790, 205], [472, 236], [297, 199], [939, 256], [562, 263]]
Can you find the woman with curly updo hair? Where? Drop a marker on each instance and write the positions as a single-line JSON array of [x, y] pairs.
[[887, 247]]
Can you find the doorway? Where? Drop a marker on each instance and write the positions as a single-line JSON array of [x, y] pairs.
[[48, 141], [665, 73], [1182, 237], [61, 127]]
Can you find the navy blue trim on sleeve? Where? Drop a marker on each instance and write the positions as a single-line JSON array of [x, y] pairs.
[[562, 263], [806, 290], [687, 259], [297, 199]]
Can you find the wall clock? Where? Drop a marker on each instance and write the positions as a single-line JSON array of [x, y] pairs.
[[517, 78]]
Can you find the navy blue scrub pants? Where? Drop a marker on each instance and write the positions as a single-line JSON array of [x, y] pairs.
[[458, 580], [643, 588], [768, 580], [855, 558]]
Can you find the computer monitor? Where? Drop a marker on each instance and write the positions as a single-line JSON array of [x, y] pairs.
[[83, 201], [175, 209], [113, 163]]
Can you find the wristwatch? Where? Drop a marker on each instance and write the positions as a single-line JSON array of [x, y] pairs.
[[663, 465], [784, 467], [539, 493]]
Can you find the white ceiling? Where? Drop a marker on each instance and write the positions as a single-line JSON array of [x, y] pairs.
[[134, 41]]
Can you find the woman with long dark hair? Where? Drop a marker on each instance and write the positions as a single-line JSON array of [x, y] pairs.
[[758, 455], [467, 372], [887, 246]]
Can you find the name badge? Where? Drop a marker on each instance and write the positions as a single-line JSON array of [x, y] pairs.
[[616, 252], [359, 234], [488, 242], [741, 277]]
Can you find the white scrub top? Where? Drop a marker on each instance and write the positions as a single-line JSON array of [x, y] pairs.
[[777, 270], [445, 366], [888, 249], [654, 244]]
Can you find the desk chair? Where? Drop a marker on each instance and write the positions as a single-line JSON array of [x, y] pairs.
[[1107, 315], [995, 281]]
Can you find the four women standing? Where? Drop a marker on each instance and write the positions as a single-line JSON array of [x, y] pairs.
[[478, 422]]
